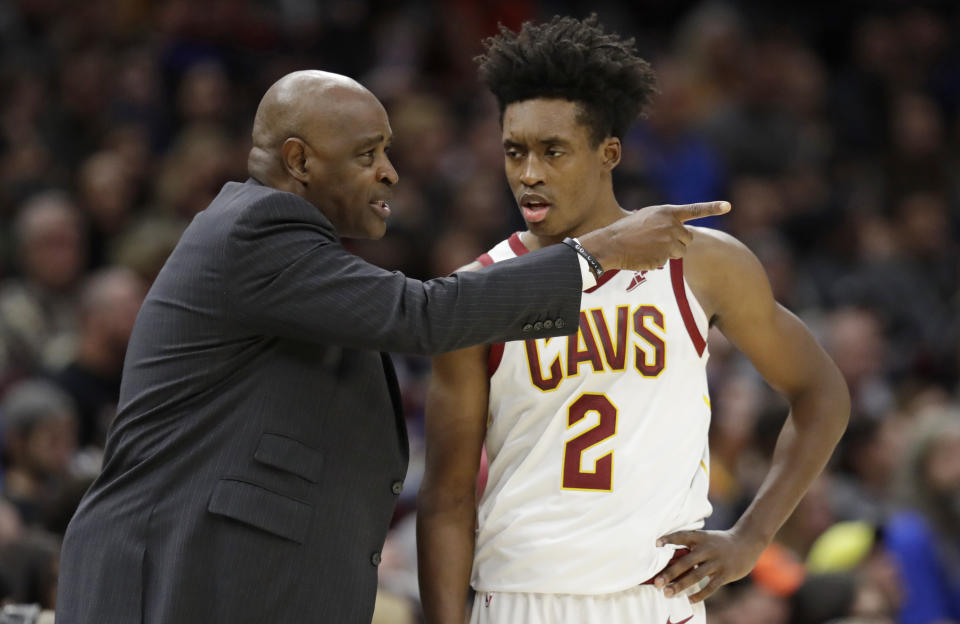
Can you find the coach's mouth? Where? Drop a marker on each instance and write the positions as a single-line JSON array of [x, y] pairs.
[[381, 207], [534, 207]]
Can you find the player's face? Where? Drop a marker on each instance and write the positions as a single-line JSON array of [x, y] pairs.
[[555, 172], [350, 173]]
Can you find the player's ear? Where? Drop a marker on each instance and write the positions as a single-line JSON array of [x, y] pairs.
[[610, 149]]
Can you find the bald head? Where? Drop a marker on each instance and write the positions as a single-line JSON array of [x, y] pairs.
[[324, 137], [306, 105]]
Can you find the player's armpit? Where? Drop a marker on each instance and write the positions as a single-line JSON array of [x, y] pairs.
[[446, 511]]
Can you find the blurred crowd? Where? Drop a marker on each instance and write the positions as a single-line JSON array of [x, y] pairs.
[[835, 139]]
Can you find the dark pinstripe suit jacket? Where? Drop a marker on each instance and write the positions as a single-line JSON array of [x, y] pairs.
[[252, 470]]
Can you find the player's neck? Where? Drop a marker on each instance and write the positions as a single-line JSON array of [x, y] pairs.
[[599, 216]]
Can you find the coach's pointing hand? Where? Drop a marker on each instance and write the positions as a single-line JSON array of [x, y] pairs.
[[647, 238]]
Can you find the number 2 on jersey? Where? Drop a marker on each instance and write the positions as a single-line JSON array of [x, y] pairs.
[[601, 478]]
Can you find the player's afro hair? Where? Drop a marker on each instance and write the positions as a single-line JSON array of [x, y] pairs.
[[573, 60]]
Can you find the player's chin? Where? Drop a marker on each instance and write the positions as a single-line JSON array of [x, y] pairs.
[[543, 228]]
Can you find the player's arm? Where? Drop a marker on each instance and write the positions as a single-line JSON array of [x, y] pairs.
[[732, 286], [456, 419]]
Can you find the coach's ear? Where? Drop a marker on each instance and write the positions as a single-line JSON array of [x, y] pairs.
[[294, 156], [610, 149]]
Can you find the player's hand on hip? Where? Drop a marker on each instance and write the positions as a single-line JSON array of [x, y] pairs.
[[723, 556], [647, 238]]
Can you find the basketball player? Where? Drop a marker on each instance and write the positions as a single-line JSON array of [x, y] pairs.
[[597, 445]]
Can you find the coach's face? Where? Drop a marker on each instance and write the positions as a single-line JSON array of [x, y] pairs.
[[349, 176], [556, 173]]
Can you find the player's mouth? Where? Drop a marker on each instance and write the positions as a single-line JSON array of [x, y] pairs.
[[534, 207], [381, 207]]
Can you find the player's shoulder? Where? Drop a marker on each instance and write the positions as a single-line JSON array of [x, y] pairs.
[[713, 251], [720, 269], [711, 241]]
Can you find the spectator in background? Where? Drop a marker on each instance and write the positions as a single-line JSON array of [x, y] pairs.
[[908, 275], [38, 311], [736, 467], [107, 192], [79, 116], [811, 517], [929, 308], [669, 149], [823, 598], [146, 245], [108, 307], [924, 538], [856, 341], [919, 159], [26, 166], [39, 441], [748, 602], [10, 525], [204, 96], [200, 161], [868, 458], [11, 529], [28, 568], [854, 551], [755, 134]]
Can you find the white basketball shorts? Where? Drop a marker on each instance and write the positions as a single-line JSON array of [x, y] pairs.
[[643, 604]]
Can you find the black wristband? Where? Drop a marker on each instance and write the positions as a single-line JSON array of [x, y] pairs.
[[595, 267]]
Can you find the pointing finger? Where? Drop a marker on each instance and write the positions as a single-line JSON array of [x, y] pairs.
[[703, 209]]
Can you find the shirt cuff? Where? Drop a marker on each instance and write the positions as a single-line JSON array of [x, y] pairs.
[[589, 281]]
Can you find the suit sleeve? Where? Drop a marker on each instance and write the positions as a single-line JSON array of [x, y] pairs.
[[288, 275]]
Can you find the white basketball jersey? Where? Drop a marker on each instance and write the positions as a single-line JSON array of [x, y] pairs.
[[597, 443]]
